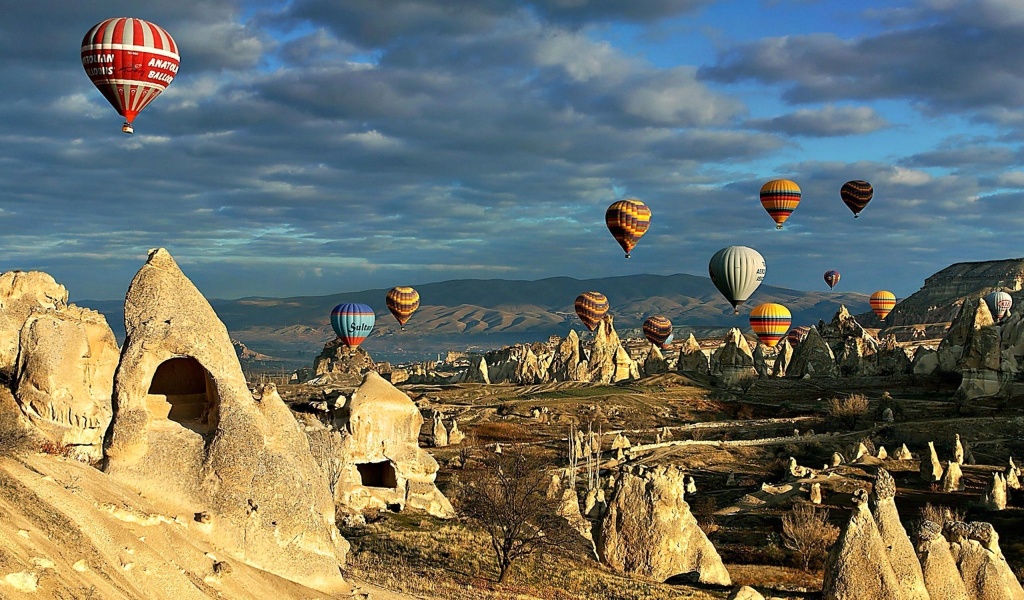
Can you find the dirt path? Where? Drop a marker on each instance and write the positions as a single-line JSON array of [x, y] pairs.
[[376, 592]]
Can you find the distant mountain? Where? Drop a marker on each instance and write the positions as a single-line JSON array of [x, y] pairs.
[[483, 314]]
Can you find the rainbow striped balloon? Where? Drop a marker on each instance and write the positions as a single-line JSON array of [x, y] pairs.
[[882, 303], [658, 330], [591, 308], [628, 220], [402, 301], [780, 198], [770, 322], [352, 322]]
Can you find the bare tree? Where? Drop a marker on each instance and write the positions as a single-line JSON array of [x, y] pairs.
[[806, 530], [325, 446], [507, 497]]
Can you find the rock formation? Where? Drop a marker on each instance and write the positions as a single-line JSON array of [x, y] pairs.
[[941, 576], [455, 435], [882, 453], [342, 364], [903, 453], [383, 465], [901, 552], [760, 361], [812, 358], [620, 441], [994, 497], [733, 360], [650, 532], [692, 359], [569, 361], [188, 433], [815, 494], [958, 450], [952, 481], [925, 362], [438, 432], [745, 593], [655, 362], [782, 358], [858, 566], [975, 548], [931, 467], [891, 358], [22, 293]]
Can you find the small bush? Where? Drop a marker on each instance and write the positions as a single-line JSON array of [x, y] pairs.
[[806, 531], [940, 514], [848, 410], [56, 448], [13, 437]]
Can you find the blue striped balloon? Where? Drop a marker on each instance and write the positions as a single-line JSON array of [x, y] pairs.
[[352, 322]]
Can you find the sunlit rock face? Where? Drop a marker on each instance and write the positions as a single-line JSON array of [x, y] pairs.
[[733, 361]]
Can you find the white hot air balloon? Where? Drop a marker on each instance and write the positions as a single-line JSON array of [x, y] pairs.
[[999, 304], [737, 271]]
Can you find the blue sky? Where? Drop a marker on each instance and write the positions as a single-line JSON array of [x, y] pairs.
[[313, 146]]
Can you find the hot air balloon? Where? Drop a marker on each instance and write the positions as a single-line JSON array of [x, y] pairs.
[[737, 271], [131, 61], [770, 322], [658, 330], [780, 198], [628, 220], [882, 302], [402, 301], [352, 322], [856, 194], [591, 307], [797, 334], [831, 278], [999, 304]]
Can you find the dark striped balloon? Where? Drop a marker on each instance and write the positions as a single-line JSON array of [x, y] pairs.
[[658, 330], [352, 322], [770, 322], [831, 278], [797, 334], [402, 301], [591, 308], [856, 194], [628, 220]]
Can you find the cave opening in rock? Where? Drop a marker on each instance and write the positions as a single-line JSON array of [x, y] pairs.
[[183, 391], [378, 474]]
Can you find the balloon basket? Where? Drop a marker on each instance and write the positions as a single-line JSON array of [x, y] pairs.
[[627, 255], [127, 128], [778, 227]]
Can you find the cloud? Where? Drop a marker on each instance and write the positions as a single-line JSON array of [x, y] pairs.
[[829, 121]]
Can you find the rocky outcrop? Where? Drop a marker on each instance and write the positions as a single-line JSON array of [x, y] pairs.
[[941, 576], [345, 365], [65, 376], [517, 364], [994, 497], [925, 362], [692, 359], [649, 531], [812, 358], [983, 363], [783, 357], [852, 347], [609, 362], [188, 434], [733, 361], [745, 593], [952, 480], [891, 358], [383, 466], [975, 548], [858, 566], [22, 293], [655, 362], [901, 553], [569, 362], [931, 467]]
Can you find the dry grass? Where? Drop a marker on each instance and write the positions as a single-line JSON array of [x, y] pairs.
[[847, 410], [940, 514], [13, 437], [452, 560], [499, 432]]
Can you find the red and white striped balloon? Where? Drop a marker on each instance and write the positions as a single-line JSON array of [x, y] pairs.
[[130, 61]]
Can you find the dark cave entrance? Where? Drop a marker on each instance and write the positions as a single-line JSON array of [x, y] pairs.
[[182, 391]]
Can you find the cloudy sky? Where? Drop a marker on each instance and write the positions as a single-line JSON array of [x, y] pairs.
[[318, 146]]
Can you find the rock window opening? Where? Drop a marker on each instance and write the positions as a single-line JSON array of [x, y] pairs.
[[182, 391], [378, 474]]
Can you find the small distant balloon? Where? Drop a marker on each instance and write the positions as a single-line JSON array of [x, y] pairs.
[[770, 322], [737, 271], [628, 220], [131, 62], [402, 301], [999, 304], [856, 194], [658, 330], [831, 278], [591, 308], [352, 322], [882, 303], [780, 198]]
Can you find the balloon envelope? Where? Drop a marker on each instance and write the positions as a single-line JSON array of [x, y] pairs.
[[770, 322], [402, 301], [352, 322], [797, 334], [628, 220], [131, 62], [591, 308], [856, 194], [882, 303], [737, 271], [999, 304], [780, 198], [658, 330], [831, 278]]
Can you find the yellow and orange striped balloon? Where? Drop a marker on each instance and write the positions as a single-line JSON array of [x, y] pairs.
[[402, 301], [770, 322], [882, 303], [591, 308], [628, 220], [780, 198]]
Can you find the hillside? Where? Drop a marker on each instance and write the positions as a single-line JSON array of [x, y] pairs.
[[483, 314]]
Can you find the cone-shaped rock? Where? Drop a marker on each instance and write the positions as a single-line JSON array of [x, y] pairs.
[[21, 293], [952, 480], [649, 531], [901, 552], [734, 360], [994, 497], [691, 358], [783, 358], [655, 362], [975, 548], [941, 576], [188, 433], [903, 453], [931, 467], [812, 358], [858, 566]]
